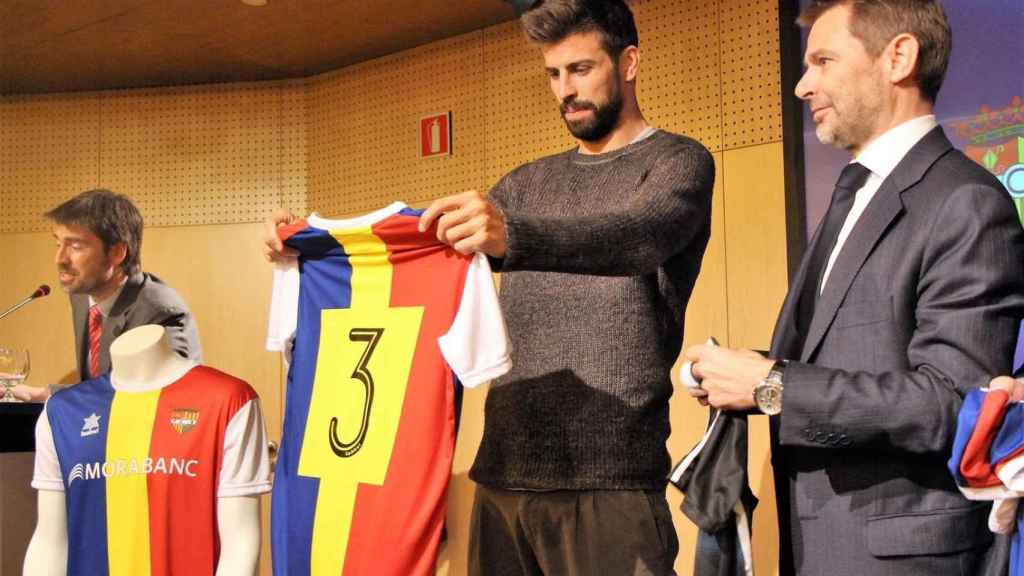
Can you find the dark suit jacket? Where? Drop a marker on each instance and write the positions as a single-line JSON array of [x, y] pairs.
[[923, 302], [143, 300]]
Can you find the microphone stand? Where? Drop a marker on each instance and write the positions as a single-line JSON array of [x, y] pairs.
[[37, 294]]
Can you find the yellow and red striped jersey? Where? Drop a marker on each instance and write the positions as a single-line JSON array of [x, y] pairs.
[[142, 470], [386, 322]]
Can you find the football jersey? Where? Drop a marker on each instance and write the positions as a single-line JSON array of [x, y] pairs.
[[988, 459], [141, 470], [386, 320], [980, 418]]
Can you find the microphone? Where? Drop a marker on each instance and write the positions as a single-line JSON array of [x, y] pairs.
[[43, 290]]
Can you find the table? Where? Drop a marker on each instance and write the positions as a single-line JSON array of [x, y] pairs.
[[18, 426]]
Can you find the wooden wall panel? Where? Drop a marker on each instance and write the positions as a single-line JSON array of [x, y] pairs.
[[202, 155], [363, 128], [680, 74], [44, 326], [49, 147], [755, 221], [525, 124], [292, 153], [147, 152], [199, 155], [751, 74]]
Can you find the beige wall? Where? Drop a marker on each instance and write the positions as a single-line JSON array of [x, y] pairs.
[[206, 163]]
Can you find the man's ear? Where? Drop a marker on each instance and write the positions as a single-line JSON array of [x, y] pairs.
[[117, 254], [901, 57], [629, 63]]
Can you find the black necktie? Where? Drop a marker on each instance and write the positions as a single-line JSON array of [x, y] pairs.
[[851, 179]]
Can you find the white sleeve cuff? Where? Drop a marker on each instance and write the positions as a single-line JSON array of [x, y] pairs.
[[253, 489], [245, 468]]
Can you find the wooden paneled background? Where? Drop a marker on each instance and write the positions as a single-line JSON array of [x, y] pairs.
[[206, 164]]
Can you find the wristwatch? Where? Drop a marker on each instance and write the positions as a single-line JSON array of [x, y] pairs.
[[768, 393]]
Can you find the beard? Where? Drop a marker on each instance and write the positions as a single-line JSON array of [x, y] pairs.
[[854, 119], [85, 280], [848, 132], [600, 124]]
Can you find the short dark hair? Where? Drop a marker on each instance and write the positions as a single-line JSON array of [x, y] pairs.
[[111, 217], [551, 21], [876, 22]]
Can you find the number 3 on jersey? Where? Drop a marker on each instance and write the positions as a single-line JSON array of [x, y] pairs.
[[362, 371]]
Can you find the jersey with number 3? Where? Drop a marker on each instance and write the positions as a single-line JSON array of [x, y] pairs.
[[382, 322]]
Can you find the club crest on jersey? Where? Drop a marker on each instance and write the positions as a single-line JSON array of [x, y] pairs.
[[91, 426], [184, 419]]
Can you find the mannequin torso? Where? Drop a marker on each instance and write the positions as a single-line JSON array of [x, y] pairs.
[[145, 372]]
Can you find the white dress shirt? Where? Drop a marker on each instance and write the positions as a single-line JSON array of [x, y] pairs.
[[880, 157]]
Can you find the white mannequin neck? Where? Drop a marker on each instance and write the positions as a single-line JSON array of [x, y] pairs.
[[142, 359]]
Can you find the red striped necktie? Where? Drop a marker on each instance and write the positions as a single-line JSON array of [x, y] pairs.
[[95, 329]]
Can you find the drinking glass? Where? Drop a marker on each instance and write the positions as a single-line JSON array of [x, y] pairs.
[[14, 367]]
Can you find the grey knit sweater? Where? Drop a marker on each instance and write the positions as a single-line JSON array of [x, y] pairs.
[[603, 253]]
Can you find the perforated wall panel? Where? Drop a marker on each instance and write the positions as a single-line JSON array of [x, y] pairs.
[[346, 142], [201, 155], [293, 168], [751, 80], [680, 78], [363, 128], [49, 147], [523, 123]]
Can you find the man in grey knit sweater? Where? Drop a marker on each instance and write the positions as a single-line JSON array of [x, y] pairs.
[[599, 248]]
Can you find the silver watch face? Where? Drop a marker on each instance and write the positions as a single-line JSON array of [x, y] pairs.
[[768, 397]]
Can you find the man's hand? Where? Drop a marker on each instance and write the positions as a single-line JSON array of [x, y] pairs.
[[727, 376], [274, 250], [1013, 386], [468, 223], [30, 393]]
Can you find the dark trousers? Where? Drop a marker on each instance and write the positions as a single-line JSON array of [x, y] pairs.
[[571, 533]]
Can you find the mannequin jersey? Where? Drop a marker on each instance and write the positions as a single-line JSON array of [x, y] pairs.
[[142, 470]]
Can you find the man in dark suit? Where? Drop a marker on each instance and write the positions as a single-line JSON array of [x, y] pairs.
[[144, 299], [99, 238], [910, 293]]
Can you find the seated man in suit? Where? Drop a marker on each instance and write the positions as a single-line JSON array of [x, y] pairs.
[[910, 293], [99, 238]]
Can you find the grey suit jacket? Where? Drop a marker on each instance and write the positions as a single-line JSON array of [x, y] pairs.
[[923, 302], [143, 300]]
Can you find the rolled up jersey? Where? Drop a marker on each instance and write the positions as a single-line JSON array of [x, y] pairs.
[[978, 425], [141, 471], [987, 462], [713, 476], [380, 320]]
